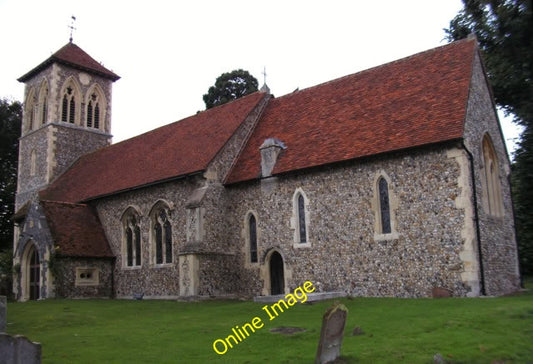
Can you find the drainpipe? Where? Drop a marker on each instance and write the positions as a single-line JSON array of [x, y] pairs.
[[476, 220]]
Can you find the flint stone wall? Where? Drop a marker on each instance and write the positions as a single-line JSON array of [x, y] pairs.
[[344, 256], [498, 241], [151, 279], [29, 185], [65, 279], [434, 244]]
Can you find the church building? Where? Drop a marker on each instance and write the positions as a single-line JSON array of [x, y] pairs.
[[393, 181]]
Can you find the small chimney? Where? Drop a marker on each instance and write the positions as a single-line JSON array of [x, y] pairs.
[[270, 150]]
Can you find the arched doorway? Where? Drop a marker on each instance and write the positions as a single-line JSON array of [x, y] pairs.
[[33, 274], [277, 280]]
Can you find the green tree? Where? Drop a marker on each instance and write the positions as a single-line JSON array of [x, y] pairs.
[[230, 86], [504, 29], [522, 175], [10, 122]]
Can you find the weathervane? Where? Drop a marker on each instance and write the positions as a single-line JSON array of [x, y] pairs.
[[264, 75], [71, 26]]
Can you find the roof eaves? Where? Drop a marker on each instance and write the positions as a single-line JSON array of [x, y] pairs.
[[358, 158], [139, 187]]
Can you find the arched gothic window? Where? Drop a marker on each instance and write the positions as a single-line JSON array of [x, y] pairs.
[[70, 103], [252, 235], [95, 108], [43, 103], [300, 219], [162, 235], [29, 110], [491, 176], [384, 205], [132, 232]]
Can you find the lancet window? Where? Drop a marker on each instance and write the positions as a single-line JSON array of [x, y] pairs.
[[132, 239], [162, 235]]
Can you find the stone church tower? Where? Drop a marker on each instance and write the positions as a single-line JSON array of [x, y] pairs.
[[67, 113]]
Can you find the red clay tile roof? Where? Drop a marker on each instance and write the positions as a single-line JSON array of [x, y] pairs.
[[73, 56], [411, 102], [178, 149], [76, 230]]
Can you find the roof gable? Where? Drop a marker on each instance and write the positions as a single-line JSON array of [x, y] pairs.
[[73, 56], [76, 230], [414, 101], [178, 149]]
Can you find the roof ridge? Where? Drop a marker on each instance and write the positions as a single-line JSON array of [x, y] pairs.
[[417, 100], [172, 123], [366, 70]]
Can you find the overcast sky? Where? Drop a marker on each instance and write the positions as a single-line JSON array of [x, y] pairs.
[[168, 53]]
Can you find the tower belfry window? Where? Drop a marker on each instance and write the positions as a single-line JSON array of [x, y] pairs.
[[68, 107], [95, 107], [44, 110], [43, 103], [29, 111]]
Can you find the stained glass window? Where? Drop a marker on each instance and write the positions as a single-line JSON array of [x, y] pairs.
[[162, 237], [384, 206], [253, 239], [301, 219]]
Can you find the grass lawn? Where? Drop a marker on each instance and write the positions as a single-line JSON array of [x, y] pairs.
[[481, 330]]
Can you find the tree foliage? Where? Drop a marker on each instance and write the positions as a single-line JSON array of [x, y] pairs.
[[504, 29], [10, 123], [230, 86], [522, 175]]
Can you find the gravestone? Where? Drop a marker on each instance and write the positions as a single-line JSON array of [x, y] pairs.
[[18, 350], [440, 292], [331, 334], [3, 313]]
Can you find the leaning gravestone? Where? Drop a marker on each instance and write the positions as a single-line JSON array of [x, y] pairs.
[[329, 345], [3, 313]]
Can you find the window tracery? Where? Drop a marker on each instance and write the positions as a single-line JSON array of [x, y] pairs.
[[300, 219], [132, 232], [95, 108], [70, 103], [162, 237], [30, 110], [43, 103]]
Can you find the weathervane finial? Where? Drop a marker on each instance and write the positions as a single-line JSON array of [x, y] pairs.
[[71, 26], [264, 75], [265, 87]]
